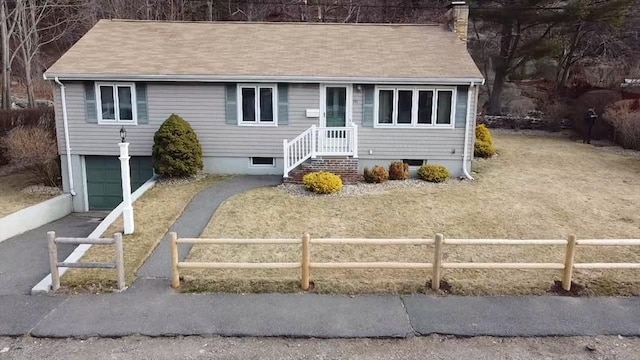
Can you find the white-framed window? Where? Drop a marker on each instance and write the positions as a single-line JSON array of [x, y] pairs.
[[262, 161], [116, 103], [257, 105], [415, 106]]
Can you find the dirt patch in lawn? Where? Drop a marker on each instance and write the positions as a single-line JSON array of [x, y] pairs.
[[154, 213], [536, 188], [12, 198]]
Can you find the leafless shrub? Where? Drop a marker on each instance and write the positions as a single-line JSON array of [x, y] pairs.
[[624, 116], [42, 117], [555, 113], [36, 149]]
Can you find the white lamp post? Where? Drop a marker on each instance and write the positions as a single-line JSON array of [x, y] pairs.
[[127, 212]]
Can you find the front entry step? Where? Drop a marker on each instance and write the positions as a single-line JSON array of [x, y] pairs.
[[345, 167]]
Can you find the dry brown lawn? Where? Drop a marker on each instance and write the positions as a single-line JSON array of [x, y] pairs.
[[154, 213], [537, 188], [12, 198]]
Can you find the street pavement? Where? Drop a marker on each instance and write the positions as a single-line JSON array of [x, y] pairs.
[[151, 307]]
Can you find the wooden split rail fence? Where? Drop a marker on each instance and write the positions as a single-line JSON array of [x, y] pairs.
[[53, 257], [437, 265]]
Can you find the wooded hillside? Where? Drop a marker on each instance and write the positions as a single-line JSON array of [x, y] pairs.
[[563, 44]]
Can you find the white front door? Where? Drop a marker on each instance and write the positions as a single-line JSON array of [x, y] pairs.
[[335, 105]]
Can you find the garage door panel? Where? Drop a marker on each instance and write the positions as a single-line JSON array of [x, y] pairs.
[[104, 189]]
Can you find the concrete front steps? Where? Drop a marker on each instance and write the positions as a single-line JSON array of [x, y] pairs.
[[345, 167]]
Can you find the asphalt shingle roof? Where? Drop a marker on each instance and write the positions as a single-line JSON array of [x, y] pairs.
[[267, 50]]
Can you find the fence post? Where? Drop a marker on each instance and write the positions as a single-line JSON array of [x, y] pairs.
[[175, 275], [306, 258], [437, 261], [568, 262], [117, 237], [53, 260]]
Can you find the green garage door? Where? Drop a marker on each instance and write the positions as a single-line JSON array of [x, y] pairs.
[[103, 179]]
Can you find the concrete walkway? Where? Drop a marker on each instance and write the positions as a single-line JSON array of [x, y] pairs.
[[151, 307], [196, 217]]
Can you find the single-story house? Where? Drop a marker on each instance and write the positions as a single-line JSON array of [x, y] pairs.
[[265, 98]]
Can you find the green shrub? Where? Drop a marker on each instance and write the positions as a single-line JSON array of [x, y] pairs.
[[377, 174], [483, 149], [398, 171], [484, 143], [176, 149], [322, 182], [484, 134], [434, 173]]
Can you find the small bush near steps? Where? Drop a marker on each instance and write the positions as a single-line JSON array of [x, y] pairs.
[[377, 174], [322, 182], [398, 171], [434, 173], [176, 149], [484, 142]]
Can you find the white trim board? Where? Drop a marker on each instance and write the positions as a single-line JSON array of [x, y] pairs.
[[45, 284], [270, 79]]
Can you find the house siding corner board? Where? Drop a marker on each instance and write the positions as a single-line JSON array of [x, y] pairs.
[[202, 105]]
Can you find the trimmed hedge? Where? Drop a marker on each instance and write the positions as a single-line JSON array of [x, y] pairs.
[[377, 174], [434, 173], [398, 171], [484, 143], [322, 182], [176, 149]]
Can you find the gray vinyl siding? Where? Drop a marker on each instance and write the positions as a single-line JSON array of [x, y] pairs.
[[202, 105], [408, 143]]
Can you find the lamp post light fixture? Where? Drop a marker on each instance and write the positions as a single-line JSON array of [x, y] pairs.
[[125, 172], [123, 134]]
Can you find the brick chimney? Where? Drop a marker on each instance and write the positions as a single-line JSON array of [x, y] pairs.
[[458, 19]]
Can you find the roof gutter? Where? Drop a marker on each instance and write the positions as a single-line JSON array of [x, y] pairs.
[[470, 113], [261, 78], [65, 123]]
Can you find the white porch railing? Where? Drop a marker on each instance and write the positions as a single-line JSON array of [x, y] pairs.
[[322, 141]]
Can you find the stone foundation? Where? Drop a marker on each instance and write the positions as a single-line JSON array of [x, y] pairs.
[[345, 167]]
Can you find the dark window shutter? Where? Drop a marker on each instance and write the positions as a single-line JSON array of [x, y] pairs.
[[232, 104], [90, 102], [141, 103], [283, 104], [367, 105]]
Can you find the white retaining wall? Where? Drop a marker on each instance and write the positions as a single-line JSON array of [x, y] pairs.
[[35, 216]]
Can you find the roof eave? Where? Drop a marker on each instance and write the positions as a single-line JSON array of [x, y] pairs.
[[254, 78]]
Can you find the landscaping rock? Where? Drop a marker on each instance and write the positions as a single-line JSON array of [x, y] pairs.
[[42, 189], [361, 188]]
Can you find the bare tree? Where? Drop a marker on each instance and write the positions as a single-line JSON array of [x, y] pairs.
[[7, 27], [38, 23]]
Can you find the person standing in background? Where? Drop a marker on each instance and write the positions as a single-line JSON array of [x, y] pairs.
[[589, 122]]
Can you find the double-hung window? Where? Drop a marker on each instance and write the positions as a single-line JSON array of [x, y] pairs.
[[414, 106], [257, 105], [116, 103]]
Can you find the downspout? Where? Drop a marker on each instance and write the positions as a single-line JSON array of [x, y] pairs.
[[65, 123], [465, 156]]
